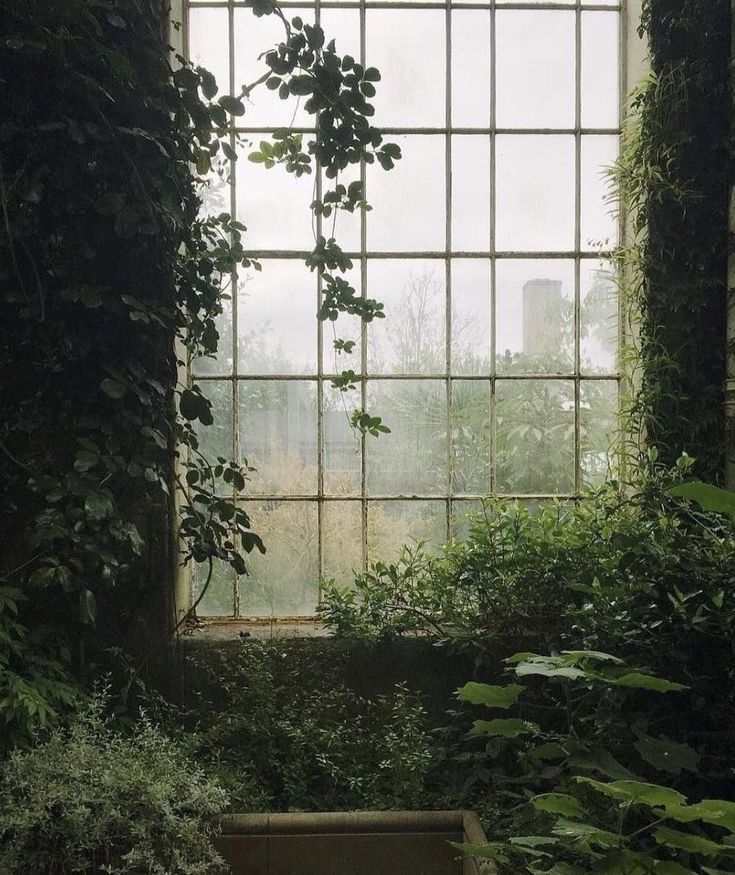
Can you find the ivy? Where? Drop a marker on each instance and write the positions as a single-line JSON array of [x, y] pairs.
[[112, 281]]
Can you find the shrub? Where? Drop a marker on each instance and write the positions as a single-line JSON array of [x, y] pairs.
[[90, 800]]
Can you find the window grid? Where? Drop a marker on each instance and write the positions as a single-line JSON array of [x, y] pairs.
[[494, 256]]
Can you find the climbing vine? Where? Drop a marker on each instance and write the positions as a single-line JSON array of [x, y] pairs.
[[110, 280], [673, 176]]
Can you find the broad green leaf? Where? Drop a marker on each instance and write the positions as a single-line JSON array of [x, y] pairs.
[[636, 791], [669, 867], [493, 697], [568, 671], [684, 841], [666, 755], [710, 498], [642, 681], [506, 727], [716, 811], [491, 851], [559, 803], [602, 761], [587, 831], [549, 750], [534, 841], [597, 655]]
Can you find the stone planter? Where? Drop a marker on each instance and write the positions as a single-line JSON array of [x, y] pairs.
[[352, 843]]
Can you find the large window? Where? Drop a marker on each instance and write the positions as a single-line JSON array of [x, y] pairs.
[[496, 367]]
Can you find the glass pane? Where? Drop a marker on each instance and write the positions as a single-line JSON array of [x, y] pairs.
[[463, 516], [274, 205], [470, 316], [253, 37], [599, 430], [410, 340], [221, 362], [285, 581], [216, 440], [599, 318], [599, 222], [408, 47], [393, 524], [600, 70], [219, 599], [412, 459], [535, 436], [471, 437], [470, 81], [216, 189], [345, 227], [209, 44], [414, 193], [342, 540], [535, 316], [535, 69], [471, 193], [342, 445], [276, 320], [535, 193], [278, 435]]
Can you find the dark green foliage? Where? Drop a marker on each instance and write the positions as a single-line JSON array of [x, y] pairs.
[[674, 183], [280, 728], [587, 788], [639, 574], [90, 800]]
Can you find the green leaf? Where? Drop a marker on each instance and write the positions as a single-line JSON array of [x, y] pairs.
[[505, 727], [492, 697], [113, 388], [638, 680], [710, 498], [684, 841], [666, 755], [490, 851], [636, 792], [531, 668], [716, 811], [559, 803], [232, 105], [586, 831]]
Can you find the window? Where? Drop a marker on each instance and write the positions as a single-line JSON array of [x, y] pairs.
[[496, 368]]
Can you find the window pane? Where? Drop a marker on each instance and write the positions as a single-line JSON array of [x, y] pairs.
[[393, 524], [535, 315], [342, 445], [273, 204], [471, 437], [216, 440], [535, 69], [410, 340], [470, 316], [414, 193], [219, 599], [470, 68], [253, 37], [278, 435], [463, 516], [284, 581], [216, 191], [345, 327], [535, 436], [599, 430], [342, 539], [599, 317], [209, 44], [412, 459], [535, 193], [408, 47], [276, 320], [600, 70], [471, 193], [342, 26], [599, 223]]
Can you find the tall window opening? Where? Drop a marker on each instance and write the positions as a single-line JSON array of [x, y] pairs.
[[496, 367]]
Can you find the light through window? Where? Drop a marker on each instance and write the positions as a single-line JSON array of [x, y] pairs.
[[496, 367]]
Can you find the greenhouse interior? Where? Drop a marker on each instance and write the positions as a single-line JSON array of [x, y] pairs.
[[367, 437]]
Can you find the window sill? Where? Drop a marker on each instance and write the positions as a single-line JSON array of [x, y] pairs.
[[261, 630]]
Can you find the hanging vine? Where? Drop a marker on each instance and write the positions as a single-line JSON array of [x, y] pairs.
[[107, 268]]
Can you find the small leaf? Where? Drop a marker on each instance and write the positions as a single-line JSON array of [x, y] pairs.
[[710, 498], [684, 841], [505, 727]]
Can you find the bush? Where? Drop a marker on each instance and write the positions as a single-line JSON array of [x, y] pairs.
[[90, 800]]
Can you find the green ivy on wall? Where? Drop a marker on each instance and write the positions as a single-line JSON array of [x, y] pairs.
[[674, 178]]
